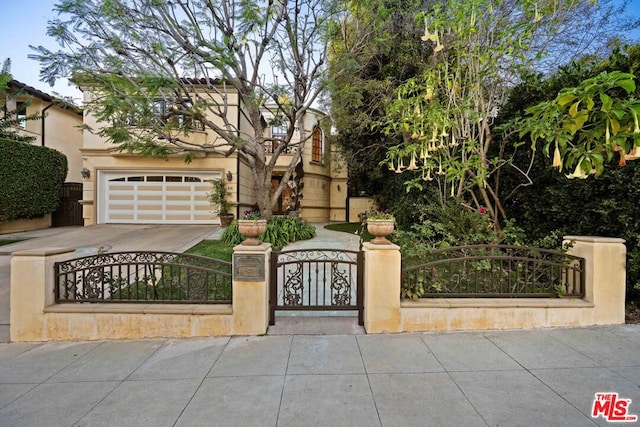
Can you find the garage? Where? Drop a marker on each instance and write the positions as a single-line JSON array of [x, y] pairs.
[[153, 197]]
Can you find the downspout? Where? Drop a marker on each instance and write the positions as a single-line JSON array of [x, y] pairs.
[[43, 116]]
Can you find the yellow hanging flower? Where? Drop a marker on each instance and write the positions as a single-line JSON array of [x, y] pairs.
[[557, 159], [412, 164], [578, 173], [428, 36]]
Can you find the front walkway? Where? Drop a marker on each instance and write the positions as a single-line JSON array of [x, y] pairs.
[[525, 378]]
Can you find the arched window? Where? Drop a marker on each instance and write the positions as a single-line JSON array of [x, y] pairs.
[[317, 142]]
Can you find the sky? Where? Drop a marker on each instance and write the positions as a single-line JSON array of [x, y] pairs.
[[27, 25]]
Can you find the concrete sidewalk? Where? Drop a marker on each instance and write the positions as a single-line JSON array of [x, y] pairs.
[[525, 378]]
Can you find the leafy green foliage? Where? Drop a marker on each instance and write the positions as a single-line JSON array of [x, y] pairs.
[[218, 197], [280, 231], [556, 206], [30, 178], [231, 235], [588, 124]]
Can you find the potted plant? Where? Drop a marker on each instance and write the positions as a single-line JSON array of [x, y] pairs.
[[380, 224], [218, 199], [251, 226]]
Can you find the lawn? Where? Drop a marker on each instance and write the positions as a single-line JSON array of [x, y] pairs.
[[9, 241], [351, 228], [213, 249]]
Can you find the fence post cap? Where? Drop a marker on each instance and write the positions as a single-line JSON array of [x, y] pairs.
[[594, 239], [378, 247], [42, 252]]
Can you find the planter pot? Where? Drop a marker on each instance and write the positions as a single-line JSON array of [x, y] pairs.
[[226, 220], [380, 228], [251, 229]]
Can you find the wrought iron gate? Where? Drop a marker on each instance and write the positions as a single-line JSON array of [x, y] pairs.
[[316, 279], [69, 210]]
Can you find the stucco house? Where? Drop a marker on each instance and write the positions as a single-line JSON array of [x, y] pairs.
[[121, 187], [60, 125], [59, 128]]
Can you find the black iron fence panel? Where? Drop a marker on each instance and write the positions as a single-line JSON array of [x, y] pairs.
[[316, 279], [144, 277], [495, 271]]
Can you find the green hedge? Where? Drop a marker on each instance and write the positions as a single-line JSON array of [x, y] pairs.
[[30, 177]]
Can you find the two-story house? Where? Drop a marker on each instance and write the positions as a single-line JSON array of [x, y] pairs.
[[59, 128], [121, 187]]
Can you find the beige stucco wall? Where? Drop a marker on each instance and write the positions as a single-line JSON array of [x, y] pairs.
[[338, 191], [358, 205], [61, 131], [101, 156], [36, 317], [317, 204], [25, 224], [98, 161], [603, 303]]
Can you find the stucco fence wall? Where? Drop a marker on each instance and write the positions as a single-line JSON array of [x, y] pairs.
[[603, 304], [36, 317]]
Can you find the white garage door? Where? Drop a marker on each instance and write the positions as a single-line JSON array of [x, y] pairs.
[[155, 197]]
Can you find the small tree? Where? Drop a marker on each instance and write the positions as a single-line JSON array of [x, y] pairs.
[[445, 116], [197, 53], [218, 197]]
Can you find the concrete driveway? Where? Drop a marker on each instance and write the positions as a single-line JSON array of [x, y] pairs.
[[116, 237]]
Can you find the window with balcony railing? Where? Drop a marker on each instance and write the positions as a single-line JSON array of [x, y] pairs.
[[168, 112], [278, 135]]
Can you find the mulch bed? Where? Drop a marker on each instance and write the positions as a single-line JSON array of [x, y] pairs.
[[632, 315]]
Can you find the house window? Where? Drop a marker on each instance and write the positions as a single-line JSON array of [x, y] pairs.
[[317, 140], [278, 134], [21, 114], [169, 112]]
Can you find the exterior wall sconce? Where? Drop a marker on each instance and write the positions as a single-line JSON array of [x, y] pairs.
[[229, 176], [86, 173]]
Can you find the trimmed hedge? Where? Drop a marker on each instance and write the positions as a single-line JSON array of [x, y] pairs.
[[30, 178]]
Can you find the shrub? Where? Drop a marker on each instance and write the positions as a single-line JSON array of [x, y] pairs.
[[280, 231], [30, 178]]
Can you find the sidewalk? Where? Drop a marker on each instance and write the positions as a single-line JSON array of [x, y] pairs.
[[526, 378]]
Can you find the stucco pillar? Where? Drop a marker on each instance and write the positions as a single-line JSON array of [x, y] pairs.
[[382, 265], [605, 275], [251, 289], [32, 289]]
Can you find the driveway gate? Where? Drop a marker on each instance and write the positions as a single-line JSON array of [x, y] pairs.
[[316, 279]]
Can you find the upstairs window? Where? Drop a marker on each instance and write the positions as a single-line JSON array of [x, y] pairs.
[[278, 134], [21, 114], [168, 112], [317, 144]]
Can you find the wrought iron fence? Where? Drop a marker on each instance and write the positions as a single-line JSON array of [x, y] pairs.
[[495, 271], [144, 277]]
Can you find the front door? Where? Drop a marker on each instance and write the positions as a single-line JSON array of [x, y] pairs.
[[284, 201]]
